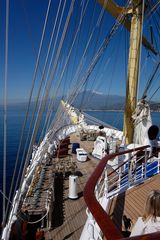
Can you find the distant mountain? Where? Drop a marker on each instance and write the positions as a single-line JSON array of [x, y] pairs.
[[97, 101], [90, 100], [155, 106], [87, 100]]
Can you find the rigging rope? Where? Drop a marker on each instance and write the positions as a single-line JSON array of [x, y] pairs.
[[153, 16], [141, 37], [154, 93], [47, 91], [82, 15], [158, 32], [154, 7], [37, 221], [51, 104], [5, 196], [30, 35], [27, 111], [48, 86], [60, 80], [5, 111], [39, 114], [98, 55], [98, 23], [77, 47], [100, 17], [53, 52], [95, 120], [69, 54], [83, 57], [45, 96], [37, 98], [151, 79]]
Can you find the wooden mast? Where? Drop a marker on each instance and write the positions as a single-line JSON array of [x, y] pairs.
[[135, 28], [133, 69]]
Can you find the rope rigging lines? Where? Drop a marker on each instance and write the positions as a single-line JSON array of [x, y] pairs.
[[64, 68], [65, 62], [152, 19], [35, 129], [38, 119], [27, 112], [5, 111], [98, 55]]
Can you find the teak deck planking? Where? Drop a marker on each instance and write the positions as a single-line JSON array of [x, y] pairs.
[[74, 211], [130, 203]]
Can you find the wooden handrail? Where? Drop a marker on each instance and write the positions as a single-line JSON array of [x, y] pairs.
[[106, 225]]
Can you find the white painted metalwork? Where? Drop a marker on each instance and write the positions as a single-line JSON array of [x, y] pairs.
[[125, 176]]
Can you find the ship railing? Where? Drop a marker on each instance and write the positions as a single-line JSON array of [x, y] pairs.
[[133, 171], [105, 183]]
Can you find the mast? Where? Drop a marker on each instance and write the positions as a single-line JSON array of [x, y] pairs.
[[136, 39], [133, 69]]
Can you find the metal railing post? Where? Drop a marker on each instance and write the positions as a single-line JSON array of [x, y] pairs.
[[119, 177], [129, 171], [158, 165], [96, 192], [106, 182], [91, 227], [145, 166]]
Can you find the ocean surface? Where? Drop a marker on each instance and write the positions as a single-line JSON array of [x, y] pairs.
[[15, 121]]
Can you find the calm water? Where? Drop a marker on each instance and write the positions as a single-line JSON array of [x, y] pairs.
[[14, 126]]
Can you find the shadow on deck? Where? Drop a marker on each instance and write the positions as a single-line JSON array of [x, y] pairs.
[[58, 210]]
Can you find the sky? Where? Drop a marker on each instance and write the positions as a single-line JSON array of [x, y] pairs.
[[21, 58], [26, 21]]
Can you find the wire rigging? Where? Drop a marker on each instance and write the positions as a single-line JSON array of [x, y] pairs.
[[35, 130], [79, 69], [27, 111], [154, 93], [70, 51], [5, 111], [46, 125], [51, 73], [87, 46], [150, 81], [38, 95], [95, 59], [98, 55], [39, 115], [98, 23], [30, 33]]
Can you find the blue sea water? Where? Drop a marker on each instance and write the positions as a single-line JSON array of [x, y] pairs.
[[15, 121]]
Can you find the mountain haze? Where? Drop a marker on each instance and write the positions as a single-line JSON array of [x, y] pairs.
[[87, 100], [97, 101]]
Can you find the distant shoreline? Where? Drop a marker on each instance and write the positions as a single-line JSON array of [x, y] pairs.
[[90, 110], [23, 108], [109, 110]]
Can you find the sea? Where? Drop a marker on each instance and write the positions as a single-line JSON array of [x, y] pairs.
[[15, 119]]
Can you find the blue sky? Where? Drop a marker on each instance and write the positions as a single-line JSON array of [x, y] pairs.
[[26, 22], [21, 55]]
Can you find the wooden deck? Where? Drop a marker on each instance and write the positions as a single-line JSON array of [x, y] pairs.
[[69, 215], [131, 203]]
